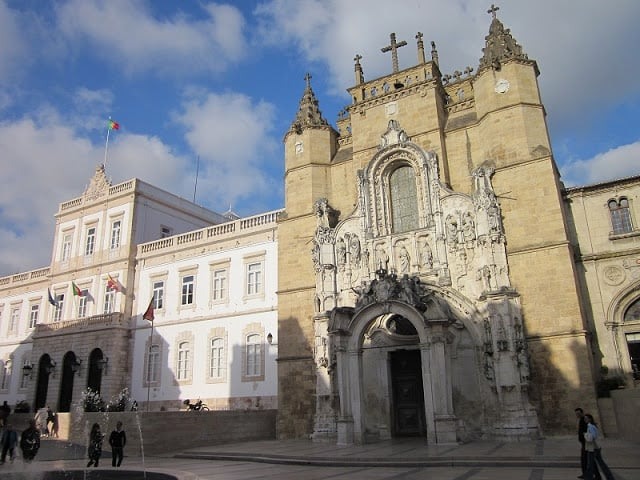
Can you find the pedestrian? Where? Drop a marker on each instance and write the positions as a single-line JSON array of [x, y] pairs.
[[54, 425], [5, 410], [41, 421], [9, 442], [30, 441], [594, 451], [582, 429], [117, 440], [95, 445]]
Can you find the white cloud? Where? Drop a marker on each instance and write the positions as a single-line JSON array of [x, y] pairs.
[[126, 33], [12, 44], [233, 137], [619, 162]]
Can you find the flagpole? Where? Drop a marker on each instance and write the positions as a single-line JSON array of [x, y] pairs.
[[149, 366], [106, 145]]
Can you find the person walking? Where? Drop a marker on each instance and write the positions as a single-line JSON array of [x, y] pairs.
[[582, 429], [5, 410], [117, 441], [9, 442], [594, 451], [95, 445], [30, 441]]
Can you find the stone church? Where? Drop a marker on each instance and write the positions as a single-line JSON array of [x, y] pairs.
[[439, 295]]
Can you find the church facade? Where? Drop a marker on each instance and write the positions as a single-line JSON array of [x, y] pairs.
[[428, 276], [450, 295]]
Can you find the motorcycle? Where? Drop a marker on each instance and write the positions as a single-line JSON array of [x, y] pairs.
[[196, 407]]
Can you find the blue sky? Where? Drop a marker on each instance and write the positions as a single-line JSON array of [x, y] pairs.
[[220, 83]]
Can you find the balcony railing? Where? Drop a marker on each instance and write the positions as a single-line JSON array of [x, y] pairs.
[[115, 319]]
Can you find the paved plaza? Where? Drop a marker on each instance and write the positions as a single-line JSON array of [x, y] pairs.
[[546, 459]]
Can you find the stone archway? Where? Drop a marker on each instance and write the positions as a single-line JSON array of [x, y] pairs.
[[349, 330]]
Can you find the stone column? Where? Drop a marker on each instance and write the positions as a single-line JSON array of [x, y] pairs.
[[445, 420], [345, 418]]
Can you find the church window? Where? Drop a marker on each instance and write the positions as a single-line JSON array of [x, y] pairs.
[[217, 360], [403, 199], [184, 361], [90, 244], [253, 354], [620, 216], [187, 290]]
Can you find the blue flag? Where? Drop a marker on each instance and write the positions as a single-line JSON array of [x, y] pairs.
[[52, 300]]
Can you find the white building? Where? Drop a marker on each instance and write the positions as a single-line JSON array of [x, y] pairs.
[[77, 323]]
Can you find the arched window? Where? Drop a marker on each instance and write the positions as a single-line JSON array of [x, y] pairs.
[[403, 199], [620, 216], [216, 366]]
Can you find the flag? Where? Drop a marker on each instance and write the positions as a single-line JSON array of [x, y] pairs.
[[112, 284], [76, 290], [113, 125], [52, 300], [148, 314]]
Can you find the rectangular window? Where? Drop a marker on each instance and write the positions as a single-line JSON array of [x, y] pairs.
[[254, 278], [165, 232], [116, 227], [158, 295], [24, 379], [153, 364], [14, 320], [216, 366], [90, 244], [109, 300], [183, 361], [66, 247], [59, 308], [82, 304], [620, 216], [187, 290], [33, 315], [253, 356], [219, 284], [4, 376]]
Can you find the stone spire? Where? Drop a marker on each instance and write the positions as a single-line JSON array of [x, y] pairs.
[[500, 45], [308, 114]]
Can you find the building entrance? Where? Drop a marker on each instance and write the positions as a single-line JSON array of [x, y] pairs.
[[407, 393]]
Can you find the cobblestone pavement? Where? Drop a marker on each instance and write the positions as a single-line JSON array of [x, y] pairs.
[[546, 459]]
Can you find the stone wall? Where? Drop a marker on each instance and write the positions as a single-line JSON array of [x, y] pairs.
[[163, 432]]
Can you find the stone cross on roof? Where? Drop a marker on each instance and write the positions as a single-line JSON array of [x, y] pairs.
[[493, 10], [393, 48], [307, 78]]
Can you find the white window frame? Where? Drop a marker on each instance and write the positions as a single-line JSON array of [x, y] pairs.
[[217, 359], [116, 234], [34, 315], [90, 241], [58, 309], [82, 303], [67, 245], [14, 319], [188, 297], [183, 364], [253, 354], [220, 284], [254, 278], [157, 287], [109, 305], [152, 372]]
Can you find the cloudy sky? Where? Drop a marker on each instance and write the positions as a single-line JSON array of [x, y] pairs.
[[217, 84]]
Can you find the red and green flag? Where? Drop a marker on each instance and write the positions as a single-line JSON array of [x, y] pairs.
[[76, 290], [113, 125]]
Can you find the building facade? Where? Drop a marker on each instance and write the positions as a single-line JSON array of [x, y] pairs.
[[78, 325], [429, 275]]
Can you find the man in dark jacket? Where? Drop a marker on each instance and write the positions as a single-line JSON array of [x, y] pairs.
[[117, 440], [30, 442]]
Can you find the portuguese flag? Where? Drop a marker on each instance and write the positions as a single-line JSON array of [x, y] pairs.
[[76, 290], [113, 125]]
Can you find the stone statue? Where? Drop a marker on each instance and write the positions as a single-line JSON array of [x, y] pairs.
[[354, 249], [468, 227], [382, 259], [405, 259], [452, 230], [426, 256], [341, 251], [494, 219]]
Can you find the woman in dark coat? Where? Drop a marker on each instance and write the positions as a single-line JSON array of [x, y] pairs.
[[95, 445]]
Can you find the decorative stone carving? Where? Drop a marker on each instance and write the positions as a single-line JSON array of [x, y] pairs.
[[404, 259], [394, 135], [98, 185]]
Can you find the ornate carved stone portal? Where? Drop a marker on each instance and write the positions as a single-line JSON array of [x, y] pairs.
[[417, 268]]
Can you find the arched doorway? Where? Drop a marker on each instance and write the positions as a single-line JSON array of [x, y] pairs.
[[45, 368], [97, 363], [70, 365]]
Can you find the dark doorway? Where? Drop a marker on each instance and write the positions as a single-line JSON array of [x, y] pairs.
[[633, 343], [45, 367], [70, 366], [408, 395], [96, 365]]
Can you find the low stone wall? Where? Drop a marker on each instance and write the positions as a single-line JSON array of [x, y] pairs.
[[155, 433]]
